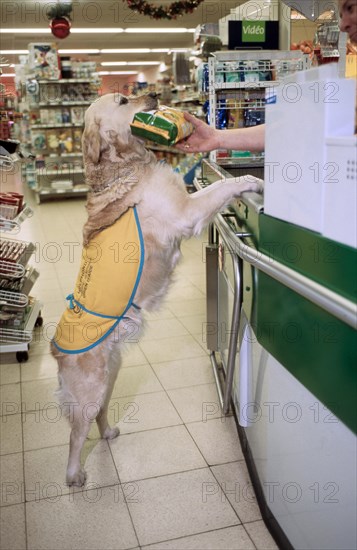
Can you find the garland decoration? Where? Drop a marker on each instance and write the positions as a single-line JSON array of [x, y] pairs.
[[174, 10]]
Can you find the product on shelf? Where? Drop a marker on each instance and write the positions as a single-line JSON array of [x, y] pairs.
[[43, 60]]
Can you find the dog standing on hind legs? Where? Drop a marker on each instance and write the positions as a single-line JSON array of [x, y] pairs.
[[138, 213]]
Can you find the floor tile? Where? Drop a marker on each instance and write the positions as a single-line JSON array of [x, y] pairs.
[[157, 329], [93, 519], [11, 479], [217, 440], [155, 453], [133, 356], [229, 538], [12, 527], [45, 470], [234, 479], [188, 307], [43, 366], [196, 403], [136, 380], [181, 347], [10, 399], [9, 373], [143, 412], [179, 505], [195, 324], [186, 291], [260, 536], [10, 434], [39, 394], [185, 372], [45, 428]]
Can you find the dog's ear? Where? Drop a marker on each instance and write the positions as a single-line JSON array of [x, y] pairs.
[[91, 142]]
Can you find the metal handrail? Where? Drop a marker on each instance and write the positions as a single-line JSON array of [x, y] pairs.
[[327, 299]]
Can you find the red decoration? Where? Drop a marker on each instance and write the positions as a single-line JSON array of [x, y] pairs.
[[60, 27]]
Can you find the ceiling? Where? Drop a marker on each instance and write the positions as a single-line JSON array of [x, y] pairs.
[[30, 14]]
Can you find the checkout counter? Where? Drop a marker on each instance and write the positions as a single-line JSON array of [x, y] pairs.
[[281, 328]]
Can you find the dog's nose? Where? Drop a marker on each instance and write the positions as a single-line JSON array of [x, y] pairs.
[[154, 95]]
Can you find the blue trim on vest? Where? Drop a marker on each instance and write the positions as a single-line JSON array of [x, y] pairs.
[[72, 299]]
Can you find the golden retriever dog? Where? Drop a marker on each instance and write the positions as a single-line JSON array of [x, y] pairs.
[[129, 189]]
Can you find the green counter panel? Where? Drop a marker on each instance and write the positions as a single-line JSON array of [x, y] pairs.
[[315, 347]]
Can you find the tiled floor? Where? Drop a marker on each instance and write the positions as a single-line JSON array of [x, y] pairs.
[[168, 481]]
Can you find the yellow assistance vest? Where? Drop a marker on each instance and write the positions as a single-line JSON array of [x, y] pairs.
[[107, 281]]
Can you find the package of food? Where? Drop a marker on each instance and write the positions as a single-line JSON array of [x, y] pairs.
[[165, 126]]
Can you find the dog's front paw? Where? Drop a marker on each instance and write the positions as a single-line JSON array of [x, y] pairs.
[[256, 184], [111, 433], [77, 479]]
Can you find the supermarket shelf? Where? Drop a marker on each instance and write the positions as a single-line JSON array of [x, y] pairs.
[[43, 172], [44, 194], [58, 125], [15, 340], [64, 103], [67, 81], [245, 85], [10, 270]]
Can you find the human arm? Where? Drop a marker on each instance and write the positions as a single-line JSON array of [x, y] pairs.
[[206, 138]]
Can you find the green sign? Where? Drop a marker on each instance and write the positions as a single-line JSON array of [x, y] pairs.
[[253, 31]]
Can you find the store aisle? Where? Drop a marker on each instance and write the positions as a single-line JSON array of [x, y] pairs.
[[174, 479]]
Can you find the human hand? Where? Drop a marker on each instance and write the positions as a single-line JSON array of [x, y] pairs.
[[204, 138]]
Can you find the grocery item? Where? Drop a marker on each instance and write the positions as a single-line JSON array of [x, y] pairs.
[[166, 126]]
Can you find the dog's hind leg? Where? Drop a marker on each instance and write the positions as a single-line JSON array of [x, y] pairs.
[[80, 428], [106, 432]]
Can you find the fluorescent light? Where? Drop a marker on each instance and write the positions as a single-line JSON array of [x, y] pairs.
[[113, 63], [103, 73], [108, 63], [160, 50], [128, 50], [143, 62], [84, 30], [104, 30], [158, 30], [79, 51], [4, 64], [7, 74], [10, 52], [24, 30]]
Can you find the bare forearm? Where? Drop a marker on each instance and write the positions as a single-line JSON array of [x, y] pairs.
[[242, 139]]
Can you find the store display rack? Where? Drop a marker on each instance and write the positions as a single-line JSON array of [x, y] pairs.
[[237, 85], [19, 312], [56, 134]]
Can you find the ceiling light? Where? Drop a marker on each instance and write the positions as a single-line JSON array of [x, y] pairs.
[[108, 63], [10, 52], [8, 74], [24, 30], [103, 73], [79, 51], [144, 62], [130, 50], [160, 50], [103, 30], [112, 63], [158, 30]]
